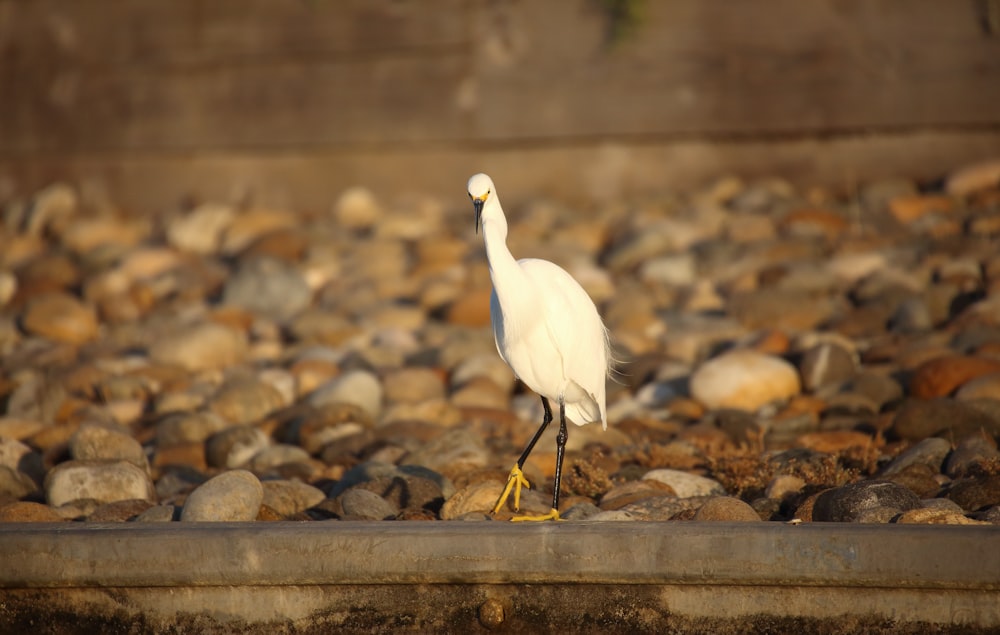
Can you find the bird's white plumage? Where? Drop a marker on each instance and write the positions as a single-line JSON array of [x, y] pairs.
[[546, 327]]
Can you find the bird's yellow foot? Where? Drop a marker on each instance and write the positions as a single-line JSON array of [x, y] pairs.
[[552, 515], [515, 482]]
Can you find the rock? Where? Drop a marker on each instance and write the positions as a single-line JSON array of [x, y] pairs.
[[976, 493], [159, 514], [270, 287], [101, 481], [60, 317], [982, 387], [413, 385], [234, 447], [919, 478], [15, 484], [941, 376], [934, 517], [119, 511], [93, 442], [969, 454], [930, 452], [407, 486], [200, 346], [471, 309], [909, 208], [479, 497], [28, 512], [917, 419], [630, 492], [846, 503], [188, 427], [879, 388], [452, 453], [356, 208], [784, 486], [276, 456], [231, 496], [973, 178], [51, 208], [726, 508], [826, 365], [656, 509], [684, 484], [744, 380], [245, 400], [356, 387], [21, 458], [201, 230], [363, 504], [291, 497]]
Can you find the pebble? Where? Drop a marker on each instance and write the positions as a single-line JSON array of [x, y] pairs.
[[744, 380], [727, 509], [776, 356], [61, 318], [101, 481], [356, 387], [200, 346], [848, 502], [685, 484], [231, 496]]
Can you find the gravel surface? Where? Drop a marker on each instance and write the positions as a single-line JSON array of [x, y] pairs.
[[783, 354]]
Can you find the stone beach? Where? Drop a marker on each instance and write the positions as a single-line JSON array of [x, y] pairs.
[[783, 355]]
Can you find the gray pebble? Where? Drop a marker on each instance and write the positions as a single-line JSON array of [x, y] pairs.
[[231, 496], [102, 481]]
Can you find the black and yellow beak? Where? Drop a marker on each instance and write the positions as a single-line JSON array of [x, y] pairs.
[[478, 202]]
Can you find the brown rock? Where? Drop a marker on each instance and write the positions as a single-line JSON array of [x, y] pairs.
[[834, 441], [908, 208], [726, 508], [925, 516], [471, 309], [28, 512], [940, 376], [60, 317]]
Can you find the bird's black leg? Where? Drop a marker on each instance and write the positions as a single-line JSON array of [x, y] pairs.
[[560, 452], [546, 419], [516, 479]]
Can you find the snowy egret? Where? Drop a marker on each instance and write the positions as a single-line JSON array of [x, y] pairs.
[[548, 331]]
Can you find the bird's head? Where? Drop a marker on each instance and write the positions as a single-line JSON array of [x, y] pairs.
[[480, 190]]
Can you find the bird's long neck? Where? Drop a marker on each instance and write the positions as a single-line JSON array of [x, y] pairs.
[[508, 280]]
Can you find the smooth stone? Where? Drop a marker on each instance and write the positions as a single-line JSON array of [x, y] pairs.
[[658, 508], [102, 481], [119, 511], [919, 478], [20, 457], [276, 456], [356, 387], [976, 493], [970, 453], [454, 452], [231, 496], [846, 503], [15, 484], [201, 346], [270, 287], [159, 514], [363, 504], [918, 419], [289, 497], [188, 427], [200, 231], [17, 429], [317, 429], [28, 512], [245, 400], [877, 515], [784, 486], [826, 364], [357, 208], [685, 484], [744, 380], [941, 376], [479, 497], [973, 177], [879, 388], [630, 492], [931, 452], [60, 317], [93, 442], [727, 509], [413, 385], [925, 516], [488, 365], [234, 447], [982, 387]]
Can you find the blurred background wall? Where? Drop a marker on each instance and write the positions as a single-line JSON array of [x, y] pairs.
[[147, 103]]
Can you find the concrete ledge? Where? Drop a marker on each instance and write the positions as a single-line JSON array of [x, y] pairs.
[[683, 577]]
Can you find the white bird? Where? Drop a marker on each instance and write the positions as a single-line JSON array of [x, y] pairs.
[[548, 331]]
